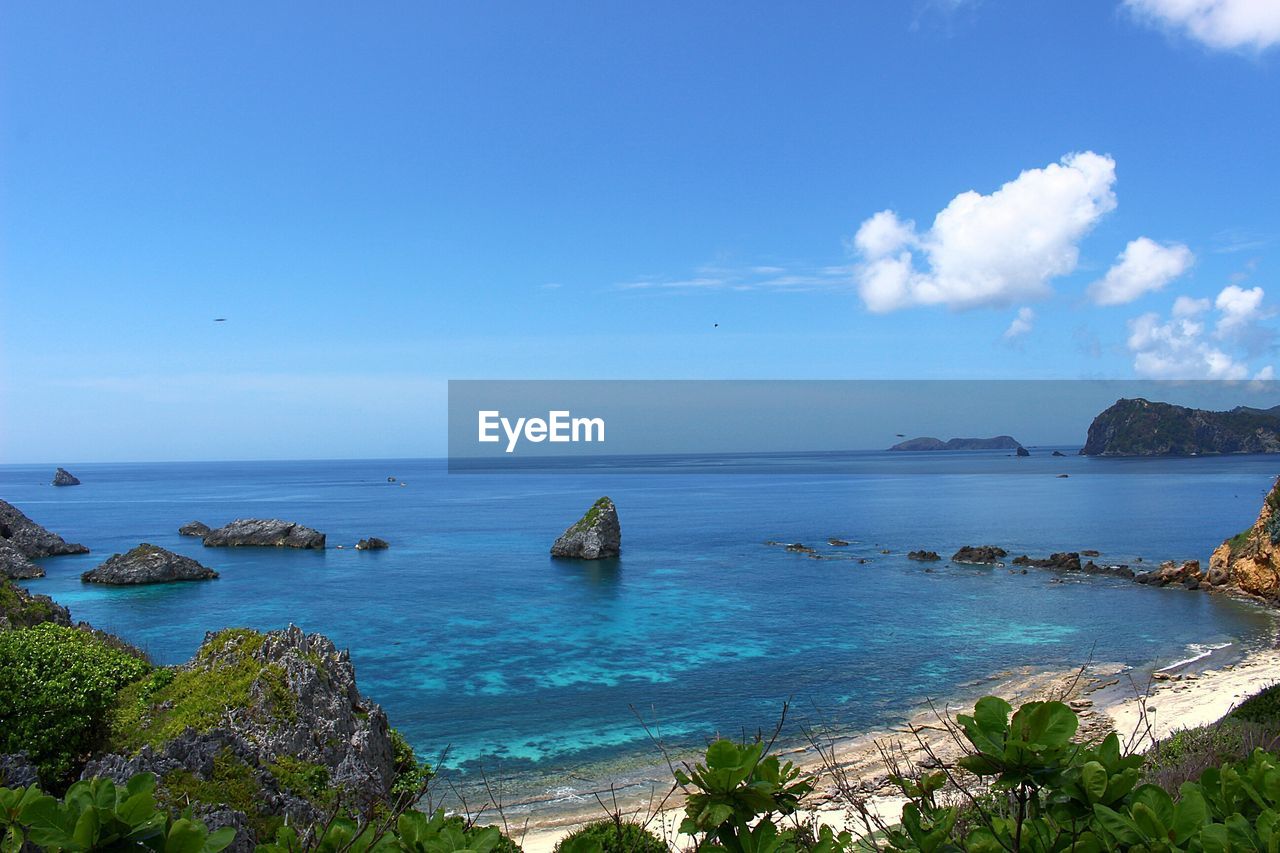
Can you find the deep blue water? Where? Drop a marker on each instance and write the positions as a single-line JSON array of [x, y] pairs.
[[473, 638]]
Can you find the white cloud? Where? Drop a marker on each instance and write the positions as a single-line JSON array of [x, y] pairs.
[[1144, 266], [1179, 348], [1021, 325], [1226, 24], [987, 250]]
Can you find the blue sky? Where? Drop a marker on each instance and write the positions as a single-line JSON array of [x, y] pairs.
[[379, 201]]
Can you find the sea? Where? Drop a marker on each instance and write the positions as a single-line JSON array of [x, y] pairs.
[[498, 662]]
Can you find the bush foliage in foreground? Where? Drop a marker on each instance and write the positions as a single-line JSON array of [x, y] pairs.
[[1023, 785], [56, 688]]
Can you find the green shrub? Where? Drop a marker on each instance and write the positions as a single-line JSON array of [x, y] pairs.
[[411, 774], [197, 696], [99, 815], [1261, 707], [617, 837], [57, 686], [413, 832]]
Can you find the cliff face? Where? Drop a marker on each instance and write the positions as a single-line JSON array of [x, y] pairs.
[[1250, 560], [1140, 427]]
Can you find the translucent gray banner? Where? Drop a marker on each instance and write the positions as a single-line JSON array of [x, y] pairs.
[[852, 426]]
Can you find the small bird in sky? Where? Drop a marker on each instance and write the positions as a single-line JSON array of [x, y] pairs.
[[219, 319], [901, 435], [716, 325]]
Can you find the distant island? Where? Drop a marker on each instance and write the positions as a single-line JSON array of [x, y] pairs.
[[1000, 442], [1141, 427]]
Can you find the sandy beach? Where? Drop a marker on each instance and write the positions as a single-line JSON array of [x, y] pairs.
[[1141, 706]]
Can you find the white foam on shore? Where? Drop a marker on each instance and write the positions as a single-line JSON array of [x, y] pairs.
[[1199, 651]]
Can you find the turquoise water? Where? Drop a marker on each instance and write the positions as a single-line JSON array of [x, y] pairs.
[[474, 639]]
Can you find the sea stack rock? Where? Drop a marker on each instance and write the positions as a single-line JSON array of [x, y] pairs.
[[31, 539], [148, 564], [63, 477], [264, 533], [373, 543], [195, 528], [595, 536], [1022, 451]]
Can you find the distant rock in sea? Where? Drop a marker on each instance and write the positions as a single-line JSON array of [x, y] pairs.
[[264, 533], [31, 539], [1057, 453], [1000, 442], [63, 477], [373, 543], [148, 564], [595, 536], [1140, 427], [923, 556], [1066, 561], [980, 555], [1022, 451], [837, 543], [195, 528]]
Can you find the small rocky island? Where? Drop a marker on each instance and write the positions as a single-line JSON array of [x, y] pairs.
[[148, 564], [1141, 427], [264, 533], [373, 543], [22, 540], [980, 555], [63, 477], [1000, 442], [195, 528], [595, 536]]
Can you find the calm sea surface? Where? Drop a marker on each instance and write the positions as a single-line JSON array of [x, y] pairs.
[[474, 639]]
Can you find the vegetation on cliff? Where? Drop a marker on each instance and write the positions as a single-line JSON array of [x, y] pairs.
[[1141, 427]]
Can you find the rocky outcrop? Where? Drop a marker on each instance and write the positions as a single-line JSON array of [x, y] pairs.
[[264, 533], [373, 543], [1022, 451], [148, 564], [63, 477], [980, 555], [31, 539], [1068, 561], [15, 565], [838, 543], [1250, 560], [195, 528], [22, 609], [923, 556], [1140, 427], [291, 704], [1057, 453], [595, 536], [1000, 442], [17, 771], [1187, 573]]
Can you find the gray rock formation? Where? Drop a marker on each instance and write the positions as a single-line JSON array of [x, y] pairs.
[[1022, 451], [63, 477], [595, 536], [195, 528], [923, 556], [265, 533], [303, 705], [17, 771], [30, 538], [980, 555], [373, 543], [1066, 561], [15, 565], [148, 564]]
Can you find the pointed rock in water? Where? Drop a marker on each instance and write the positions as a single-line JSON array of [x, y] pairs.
[[1022, 451], [15, 565], [148, 564], [265, 533], [373, 543], [63, 477], [195, 528], [595, 536], [30, 538]]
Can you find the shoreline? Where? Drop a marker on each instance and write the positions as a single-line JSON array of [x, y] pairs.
[[1142, 704]]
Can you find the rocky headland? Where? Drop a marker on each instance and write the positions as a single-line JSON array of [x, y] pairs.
[[264, 533], [148, 564], [22, 540], [595, 536], [1250, 560], [1141, 427]]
